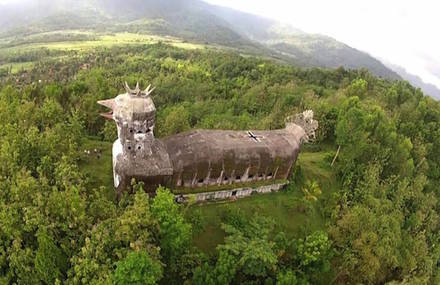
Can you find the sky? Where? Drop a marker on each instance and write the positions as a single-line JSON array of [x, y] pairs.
[[403, 32]]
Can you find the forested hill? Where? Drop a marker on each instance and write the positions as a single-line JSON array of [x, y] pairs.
[[367, 216], [192, 20]]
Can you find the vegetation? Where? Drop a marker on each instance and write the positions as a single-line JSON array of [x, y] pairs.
[[371, 218], [83, 23]]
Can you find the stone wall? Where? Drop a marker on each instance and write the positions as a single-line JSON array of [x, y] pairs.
[[228, 194]]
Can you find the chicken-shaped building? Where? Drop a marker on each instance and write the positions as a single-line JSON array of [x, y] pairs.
[[198, 158]]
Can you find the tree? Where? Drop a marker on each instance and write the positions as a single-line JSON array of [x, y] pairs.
[[113, 239], [313, 252], [287, 278], [50, 262], [174, 236], [358, 87], [174, 232], [137, 268], [203, 275], [379, 236], [176, 121], [247, 251], [109, 131]]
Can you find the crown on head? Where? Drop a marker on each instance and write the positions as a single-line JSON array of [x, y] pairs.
[[137, 91]]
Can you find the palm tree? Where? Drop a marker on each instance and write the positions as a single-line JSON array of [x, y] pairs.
[[311, 190]]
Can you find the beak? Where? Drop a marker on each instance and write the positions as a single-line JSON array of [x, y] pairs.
[[110, 103], [108, 115]]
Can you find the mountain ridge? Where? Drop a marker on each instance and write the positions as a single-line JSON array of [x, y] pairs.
[[193, 20]]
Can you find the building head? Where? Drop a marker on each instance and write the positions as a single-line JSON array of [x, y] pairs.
[[135, 114]]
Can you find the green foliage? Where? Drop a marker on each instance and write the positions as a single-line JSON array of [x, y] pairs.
[[50, 262], [176, 121], [174, 232], [174, 235], [109, 132], [59, 223], [112, 239], [249, 252], [311, 191], [203, 275], [197, 221], [351, 124], [358, 87], [287, 278], [137, 268], [313, 251], [365, 230]]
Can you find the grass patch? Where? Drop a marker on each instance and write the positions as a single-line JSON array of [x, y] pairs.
[[316, 167], [98, 170], [286, 208], [98, 40], [72, 41], [16, 67], [291, 213]]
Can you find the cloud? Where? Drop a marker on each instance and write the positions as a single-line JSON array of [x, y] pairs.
[[397, 31], [434, 69], [431, 64]]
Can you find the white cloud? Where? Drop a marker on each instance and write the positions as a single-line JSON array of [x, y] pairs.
[[403, 32]]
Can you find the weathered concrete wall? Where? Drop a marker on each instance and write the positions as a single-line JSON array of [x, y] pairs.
[[199, 158], [219, 157], [238, 192]]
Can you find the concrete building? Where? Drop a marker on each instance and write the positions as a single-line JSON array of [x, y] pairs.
[[198, 158]]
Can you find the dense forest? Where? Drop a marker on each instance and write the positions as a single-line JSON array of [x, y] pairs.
[[59, 226]]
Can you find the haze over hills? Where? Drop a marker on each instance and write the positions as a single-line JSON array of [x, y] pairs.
[[302, 48], [192, 20], [429, 89]]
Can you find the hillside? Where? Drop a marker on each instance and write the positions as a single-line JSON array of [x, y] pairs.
[[171, 17], [191, 20], [299, 47]]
